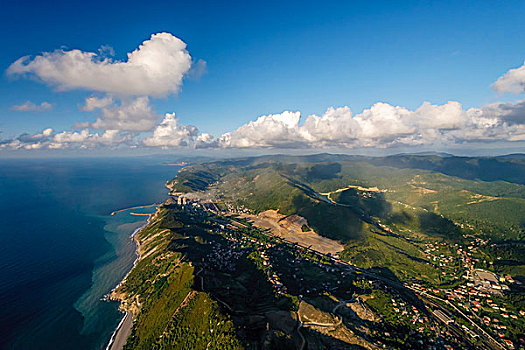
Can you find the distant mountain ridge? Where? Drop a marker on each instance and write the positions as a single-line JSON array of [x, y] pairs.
[[510, 168]]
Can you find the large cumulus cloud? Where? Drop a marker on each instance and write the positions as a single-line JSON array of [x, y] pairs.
[[155, 68], [383, 125], [272, 130], [170, 133]]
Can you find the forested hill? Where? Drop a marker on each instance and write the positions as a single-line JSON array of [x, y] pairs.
[[378, 207], [509, 168]]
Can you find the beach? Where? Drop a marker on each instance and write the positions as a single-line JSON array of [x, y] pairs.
[[119, 338]]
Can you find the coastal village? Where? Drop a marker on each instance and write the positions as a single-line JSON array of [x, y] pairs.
[[474, 305]]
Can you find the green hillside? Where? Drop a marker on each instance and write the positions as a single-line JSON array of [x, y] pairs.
[[387, 225]]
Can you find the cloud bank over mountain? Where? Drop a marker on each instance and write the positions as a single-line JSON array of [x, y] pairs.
[[384, 125], [380, 126]]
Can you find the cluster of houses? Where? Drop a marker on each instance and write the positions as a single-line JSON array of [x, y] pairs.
[[468, 253], [474, 299], [186, 202], [269, 253], [237, 209], [223, 257], [440, 255], [410, 312], [477, 293], [273, 278]]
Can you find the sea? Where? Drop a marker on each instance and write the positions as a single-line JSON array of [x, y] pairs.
[[61, 250]]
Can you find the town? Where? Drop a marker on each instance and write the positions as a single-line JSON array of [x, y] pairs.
[[474, 307]]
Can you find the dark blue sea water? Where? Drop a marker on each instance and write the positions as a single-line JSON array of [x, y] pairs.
[[61, 251]]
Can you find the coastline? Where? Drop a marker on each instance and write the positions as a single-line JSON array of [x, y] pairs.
[[129, 308], [121, 333]]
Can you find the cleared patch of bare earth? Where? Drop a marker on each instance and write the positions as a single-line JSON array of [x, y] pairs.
[[311, 314], [417, 185], [319, 321], [359, 188], [362, 312], [422, 190], [478, 198], [290, 228]]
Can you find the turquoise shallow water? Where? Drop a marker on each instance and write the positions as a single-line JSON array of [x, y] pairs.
[[61, 251], [109, 269]]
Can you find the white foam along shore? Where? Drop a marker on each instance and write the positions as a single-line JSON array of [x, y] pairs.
[[113, 336], [117, 333]]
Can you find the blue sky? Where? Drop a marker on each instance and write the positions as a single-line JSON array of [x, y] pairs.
[[268, 57]]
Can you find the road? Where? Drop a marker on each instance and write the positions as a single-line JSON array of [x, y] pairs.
[[396, 285], [487, 338], [484, 335]]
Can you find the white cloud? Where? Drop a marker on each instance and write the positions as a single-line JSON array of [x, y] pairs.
[[169, 133], [88, 140], [48, 139], [93, 103], [29, 106], [106, 51], [131, 115], [513, 81], [155, 68], [206, 140], [511, 113], [380, 126], [27, 141], [267, 131], [383, 125], [198, 69]]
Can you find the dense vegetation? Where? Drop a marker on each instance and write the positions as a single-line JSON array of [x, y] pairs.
[[414, 196]]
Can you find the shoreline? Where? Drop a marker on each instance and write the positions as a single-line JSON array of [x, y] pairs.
[[121, 333]]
